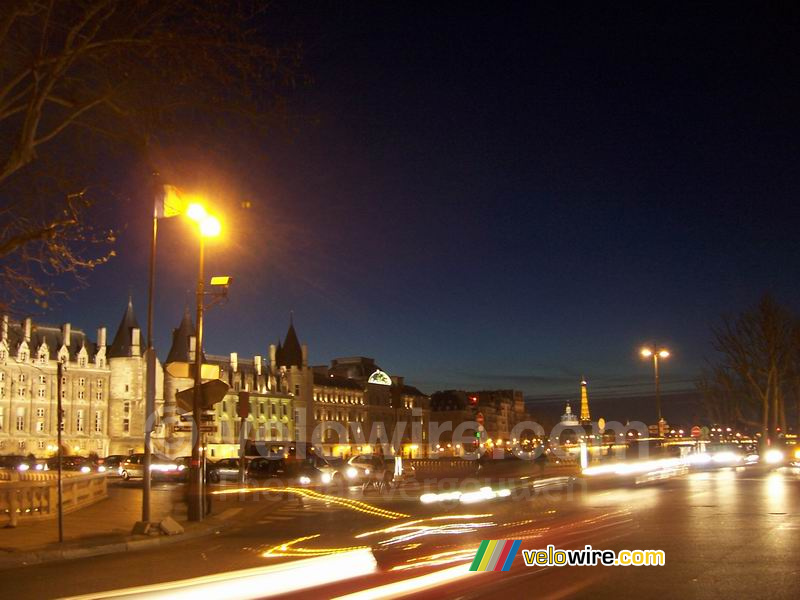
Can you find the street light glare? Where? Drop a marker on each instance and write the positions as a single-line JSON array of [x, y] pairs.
[[210, 226], [646, 352], [196, 212], [664, 353]]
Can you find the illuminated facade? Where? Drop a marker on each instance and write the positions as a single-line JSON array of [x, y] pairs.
[[29, 357]]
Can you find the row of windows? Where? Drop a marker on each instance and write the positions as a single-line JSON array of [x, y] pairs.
[[42, 444], [80, 420], [339, 416], [41, 392], [43, 358], [341, 398], [263, 408]]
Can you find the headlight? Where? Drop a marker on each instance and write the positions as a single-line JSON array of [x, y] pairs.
[[366, 471], [326, 478], [86, 469], [39, 467], [352, 473], [181, 467], [101, 469], [23, 467], [304, 480], [773, 456], [797, 453], [163, 467]]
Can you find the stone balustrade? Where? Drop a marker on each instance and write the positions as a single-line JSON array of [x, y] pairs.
[[34, 494]]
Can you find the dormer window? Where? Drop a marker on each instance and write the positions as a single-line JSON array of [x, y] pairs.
[[82, 361], [23, 356], [43, 358]]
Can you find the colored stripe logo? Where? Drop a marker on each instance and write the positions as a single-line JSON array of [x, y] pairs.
[[495, 555]]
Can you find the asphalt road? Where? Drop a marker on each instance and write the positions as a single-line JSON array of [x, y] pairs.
[[729, 533]]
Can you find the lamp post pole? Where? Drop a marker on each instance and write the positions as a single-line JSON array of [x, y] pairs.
[[196, 487], [150, 382], [60, 425]]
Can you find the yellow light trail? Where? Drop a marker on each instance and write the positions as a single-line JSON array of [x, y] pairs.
[[355, 505], [289, 549]]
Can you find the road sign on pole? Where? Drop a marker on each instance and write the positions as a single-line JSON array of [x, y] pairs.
[[213, 391]]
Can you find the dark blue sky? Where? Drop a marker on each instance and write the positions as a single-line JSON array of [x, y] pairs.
[[497, 196]]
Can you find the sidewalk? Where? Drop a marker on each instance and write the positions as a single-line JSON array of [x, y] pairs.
[[106, 527]]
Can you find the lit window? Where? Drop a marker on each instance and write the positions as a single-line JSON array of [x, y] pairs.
[[98, 421], [40, 413], [81, 381], [22, 377], [42, 379], [39, 426], [79, 420]]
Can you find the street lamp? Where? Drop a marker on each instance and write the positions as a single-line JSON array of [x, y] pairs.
[[656, 354], [208, 226]]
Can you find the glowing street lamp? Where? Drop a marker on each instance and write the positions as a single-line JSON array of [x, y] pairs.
[[208, 227], [656, 353]]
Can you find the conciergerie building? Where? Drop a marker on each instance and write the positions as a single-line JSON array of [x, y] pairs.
[[343, 406]]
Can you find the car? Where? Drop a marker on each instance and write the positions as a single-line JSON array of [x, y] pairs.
[[21, 463], [112, 463], [361, 465], [161, 468], [82, 464], [225, 469], [291, 471]]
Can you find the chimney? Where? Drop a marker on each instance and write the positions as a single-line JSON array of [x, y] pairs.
[[135, 341], [27, 329], [272, 359], [101, 337], [5, 328], [67, 328], [192, 346], [234, 362], [257, 363], [305, 355]]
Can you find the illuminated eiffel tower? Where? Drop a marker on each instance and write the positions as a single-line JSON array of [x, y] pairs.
[[585, 416]]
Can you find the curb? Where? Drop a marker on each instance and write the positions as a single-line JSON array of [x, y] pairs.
[[36, 557]]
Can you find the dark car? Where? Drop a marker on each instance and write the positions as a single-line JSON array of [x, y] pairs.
[[112, 463], [18, 462], [225, 469], [81, 464]]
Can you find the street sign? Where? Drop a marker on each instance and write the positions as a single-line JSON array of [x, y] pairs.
[[186, 370], [696, 431], [204, 418], [190, 428], [213, 391], [243, 407]]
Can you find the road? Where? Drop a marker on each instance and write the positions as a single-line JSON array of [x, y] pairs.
[[726, 533]]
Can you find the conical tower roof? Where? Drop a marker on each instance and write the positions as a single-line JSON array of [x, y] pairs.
[[122, 346], [179, 351], [291, 352]]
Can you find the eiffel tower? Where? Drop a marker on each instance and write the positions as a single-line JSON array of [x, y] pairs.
[[585, 416]]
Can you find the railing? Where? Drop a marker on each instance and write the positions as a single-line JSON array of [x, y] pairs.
[[34, 495]]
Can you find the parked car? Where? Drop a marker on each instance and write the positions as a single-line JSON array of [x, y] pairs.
[[161, 468]]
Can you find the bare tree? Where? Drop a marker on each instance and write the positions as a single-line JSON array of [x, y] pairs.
[[90, 74], [752, 374]]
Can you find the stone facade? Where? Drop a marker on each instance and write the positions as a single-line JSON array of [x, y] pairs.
[[29, 357]]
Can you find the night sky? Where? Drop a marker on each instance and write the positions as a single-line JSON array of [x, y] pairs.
[[508, 195]]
